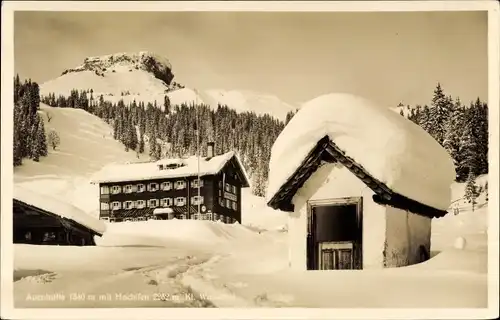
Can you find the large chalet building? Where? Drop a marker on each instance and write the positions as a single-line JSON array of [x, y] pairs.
[[205, 188]]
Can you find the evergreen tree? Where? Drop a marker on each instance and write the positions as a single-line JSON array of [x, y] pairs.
[[17, 135], [34, 147], [439, 114], [141, 144], [166, 104], [469, 158], [42, 141], [471, 190], [453, 126], [425, 119]]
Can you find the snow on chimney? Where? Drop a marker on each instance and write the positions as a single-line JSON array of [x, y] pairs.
[[210, 149]]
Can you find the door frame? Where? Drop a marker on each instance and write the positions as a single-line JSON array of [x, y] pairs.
[[311, 204]]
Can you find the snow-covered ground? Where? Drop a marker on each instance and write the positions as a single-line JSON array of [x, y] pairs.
[[209, 264], [202, 263]]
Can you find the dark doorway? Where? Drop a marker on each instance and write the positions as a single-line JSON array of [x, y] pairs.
[[334, 235]]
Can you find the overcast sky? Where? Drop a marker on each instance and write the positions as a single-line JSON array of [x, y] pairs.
[[386, 57]]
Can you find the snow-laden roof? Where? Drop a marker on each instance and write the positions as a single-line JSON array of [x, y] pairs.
[[162, 210], [391, 148], [150, 170], [57, 207]]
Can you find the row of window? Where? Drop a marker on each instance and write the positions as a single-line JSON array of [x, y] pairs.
[[151, 203], [228, 187], [208, 216], [228, 204], [152, 187]]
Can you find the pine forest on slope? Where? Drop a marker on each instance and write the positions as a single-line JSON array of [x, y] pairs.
[[170, 129]]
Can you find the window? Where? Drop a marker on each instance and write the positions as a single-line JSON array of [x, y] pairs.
[[104, 206], [228, 203], [104, 190], [220, 184], [235, 206], [153, 203], [140, 204], [234, 189], [153, 186], [221, 202], [197, 200], [181, 184], [116, 205], [140, 188], [228, 187], [180, 201], [128, 188], [166, 185], [220, 193], [166, 202], [197, 182], [128, 205], [116, 189]]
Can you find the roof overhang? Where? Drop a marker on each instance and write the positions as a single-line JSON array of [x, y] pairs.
[[326, 151]]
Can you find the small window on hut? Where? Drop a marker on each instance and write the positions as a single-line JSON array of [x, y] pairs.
[[104, 190], [228, 187], [166, 202], [140, 188], [166, 185], [140, 204], [180, 201], [153, 203], [197, 200], [116, 205], [128, 188], [233, 189], [129, 204], [197, 183], [116, 189], [153, 186], [104, 206], [180, 184]]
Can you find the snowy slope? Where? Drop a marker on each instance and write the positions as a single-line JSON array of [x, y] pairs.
[[87, 145], [126, 77]]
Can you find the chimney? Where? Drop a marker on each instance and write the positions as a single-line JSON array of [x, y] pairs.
[[210, 149]]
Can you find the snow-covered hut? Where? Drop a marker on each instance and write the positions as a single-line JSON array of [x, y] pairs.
[[361, 184], [42, 219]]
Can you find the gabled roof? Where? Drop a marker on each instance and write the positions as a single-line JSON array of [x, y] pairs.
[[327, 151], [393, 154], [59, 208], [187, 167]]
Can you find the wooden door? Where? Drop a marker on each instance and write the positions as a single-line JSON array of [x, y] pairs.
[[334, 234]]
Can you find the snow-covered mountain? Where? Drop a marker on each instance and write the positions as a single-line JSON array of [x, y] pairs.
[[148, 77]]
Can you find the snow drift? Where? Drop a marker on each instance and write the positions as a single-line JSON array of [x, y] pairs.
[[59, 208], [391, 148]]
